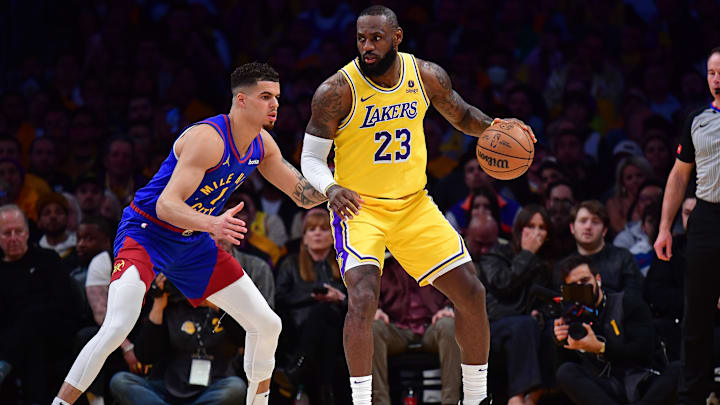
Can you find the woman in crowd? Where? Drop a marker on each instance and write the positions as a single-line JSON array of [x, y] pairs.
[[630, 174], [509, 273], [312, 301]]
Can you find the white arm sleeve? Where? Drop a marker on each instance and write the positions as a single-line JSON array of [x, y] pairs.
[[313, 162]]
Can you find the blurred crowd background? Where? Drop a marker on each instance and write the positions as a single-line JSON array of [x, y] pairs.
[[93, 93]]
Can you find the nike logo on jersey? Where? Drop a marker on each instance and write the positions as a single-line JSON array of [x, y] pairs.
[[373, 114], [254, 162], [364, 99]]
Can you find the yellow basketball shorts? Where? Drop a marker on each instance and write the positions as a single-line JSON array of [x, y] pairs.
[[412, 228]]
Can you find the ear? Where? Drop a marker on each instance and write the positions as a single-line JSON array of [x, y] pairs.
[[240, 99], [604, 232], [398, 36], [572, 228]]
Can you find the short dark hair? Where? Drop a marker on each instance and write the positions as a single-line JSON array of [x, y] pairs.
[[595, 207], [251, 73], [572, 262], [390, 15], [561, 182], [102, 224], [714, 51]]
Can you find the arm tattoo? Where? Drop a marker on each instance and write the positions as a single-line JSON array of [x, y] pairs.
[[97, 298], [304, 194], [327, 108], [448, 102]]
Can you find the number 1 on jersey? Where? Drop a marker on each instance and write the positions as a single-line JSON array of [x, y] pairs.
[[384, 138]]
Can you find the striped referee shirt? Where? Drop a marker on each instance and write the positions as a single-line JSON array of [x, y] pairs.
[[700, 144]]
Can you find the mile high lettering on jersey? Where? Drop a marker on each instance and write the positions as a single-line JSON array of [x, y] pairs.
[[374, 114]]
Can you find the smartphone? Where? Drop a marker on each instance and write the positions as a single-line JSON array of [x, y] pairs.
[[320, 290]]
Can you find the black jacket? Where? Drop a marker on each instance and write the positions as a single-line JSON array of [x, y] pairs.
[[618, 269], [170, 346], [293, 294], [508, 277]]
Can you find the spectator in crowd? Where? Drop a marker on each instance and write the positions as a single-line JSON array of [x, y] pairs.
[[191, 352], [312, 301], [549, 172], [89, 193], [657, 136], [619, 271], [37, 311], [111, 208], [481, 235], [120, 176], [649, 192], [407, 315], [52, 222], [44, 164], [569, 151], [611, 362], [258, 240], [475, 179], [631, 173], [483, 202], [559, 200], [664, 286], [509, 272], [13, 173]]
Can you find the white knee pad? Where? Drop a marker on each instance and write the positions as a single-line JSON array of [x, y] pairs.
[[125, 298], [248, 307]]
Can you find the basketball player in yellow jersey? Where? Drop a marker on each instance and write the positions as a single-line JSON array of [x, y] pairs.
[[373, 110]]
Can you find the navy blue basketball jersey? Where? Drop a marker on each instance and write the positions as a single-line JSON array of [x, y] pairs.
[[217, 184]]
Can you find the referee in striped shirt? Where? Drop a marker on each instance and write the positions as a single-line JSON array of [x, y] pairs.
[[699, 148]]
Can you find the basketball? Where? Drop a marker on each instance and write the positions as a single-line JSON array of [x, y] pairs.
[[505, 151]]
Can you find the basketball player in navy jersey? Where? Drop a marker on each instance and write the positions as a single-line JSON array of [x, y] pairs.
[[171, 223]]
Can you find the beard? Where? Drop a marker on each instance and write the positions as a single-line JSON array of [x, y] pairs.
[[380, 66]]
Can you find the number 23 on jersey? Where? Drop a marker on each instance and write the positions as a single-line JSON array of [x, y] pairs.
[[400, 140]]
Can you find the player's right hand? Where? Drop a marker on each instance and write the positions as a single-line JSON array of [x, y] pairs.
[[345, 203], [663, 245], [227, 228]]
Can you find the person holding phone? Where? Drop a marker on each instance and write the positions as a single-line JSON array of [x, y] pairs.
[[312, 301]]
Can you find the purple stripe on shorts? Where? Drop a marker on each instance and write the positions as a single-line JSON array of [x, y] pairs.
[[342, 254]]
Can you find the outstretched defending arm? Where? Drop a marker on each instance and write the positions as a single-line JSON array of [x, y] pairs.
[[463, 116], [286, 177]]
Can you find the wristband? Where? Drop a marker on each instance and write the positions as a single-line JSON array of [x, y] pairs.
[[128, 348]]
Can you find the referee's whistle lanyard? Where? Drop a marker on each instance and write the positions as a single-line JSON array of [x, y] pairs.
[[201, 352]]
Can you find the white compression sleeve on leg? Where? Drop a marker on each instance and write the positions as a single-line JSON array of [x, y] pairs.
[[125, 298], [246, 305], [313, 162]]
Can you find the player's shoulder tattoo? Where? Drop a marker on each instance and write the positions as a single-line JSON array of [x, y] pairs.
[[434, 76], [330, 104]]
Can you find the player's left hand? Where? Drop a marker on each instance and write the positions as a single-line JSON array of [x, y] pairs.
[[525, 127], [445, 312]]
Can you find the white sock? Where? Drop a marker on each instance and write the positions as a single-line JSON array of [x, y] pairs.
[[58, 401], [474, 378], [361, 390]]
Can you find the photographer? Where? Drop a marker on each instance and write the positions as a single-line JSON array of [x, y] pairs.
[[191, 352], [608, 361]]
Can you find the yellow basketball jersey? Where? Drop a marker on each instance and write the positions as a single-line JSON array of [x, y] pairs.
[[380, 146]]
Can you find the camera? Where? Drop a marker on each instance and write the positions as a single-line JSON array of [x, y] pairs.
[[575, 305], [578, 307]]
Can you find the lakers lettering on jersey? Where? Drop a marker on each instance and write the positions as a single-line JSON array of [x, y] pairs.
[[380, 146]]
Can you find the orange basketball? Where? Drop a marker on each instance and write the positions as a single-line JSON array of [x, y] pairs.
[[505, 151]]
